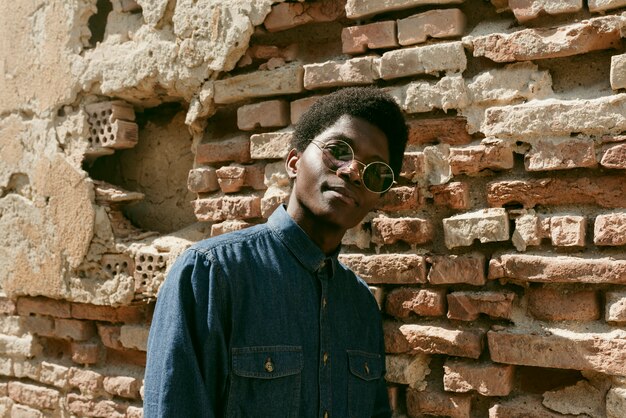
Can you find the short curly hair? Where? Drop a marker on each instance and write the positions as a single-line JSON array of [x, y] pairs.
[[368, 103]]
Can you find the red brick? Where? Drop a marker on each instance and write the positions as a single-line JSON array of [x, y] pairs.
[[476, 158], [615, 308], [454, 195], [290, 15], [525, 406], [557, 269], [467, 306], [268, 114], [568, 231], [356, 9], [39, 325], [410, 230], [300, 106], [286, 79], [36, 396], [87, 381], [126, 314], [84, 406], [413, 166], [255, 176], [433, 339], [358, 39], [234, 149], [424, 302], [558, 304], [603, 191], [542, 43], [401, 198], [442, 23], [560, 154], [387, 268], [448, 269], [110, 335], [126, 356], [610, 229], [126, 387], [488, 379], [452, 131], [615, 157], [85, 352], [231, 178], [7, 306], [525, 10], [73, 329], [202, 180], [448, 57], [431, 402], [227, 207], [43, 306]]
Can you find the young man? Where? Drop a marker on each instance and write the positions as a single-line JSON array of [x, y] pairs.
[[265, 322]]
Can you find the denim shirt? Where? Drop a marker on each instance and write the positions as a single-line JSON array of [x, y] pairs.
[[260, 323]]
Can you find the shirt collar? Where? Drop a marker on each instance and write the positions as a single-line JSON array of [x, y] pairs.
[[299, 243]]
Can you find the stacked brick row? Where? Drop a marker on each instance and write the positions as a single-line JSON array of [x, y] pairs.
[[498, 260]]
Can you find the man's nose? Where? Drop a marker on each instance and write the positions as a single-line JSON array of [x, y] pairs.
[[351, 171]]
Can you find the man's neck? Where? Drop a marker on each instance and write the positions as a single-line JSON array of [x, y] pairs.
[[326, 236]]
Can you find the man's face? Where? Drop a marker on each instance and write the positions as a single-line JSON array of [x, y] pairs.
[[339, 199]]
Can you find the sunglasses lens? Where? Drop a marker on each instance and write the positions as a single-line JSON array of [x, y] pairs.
[[378, 177], [337, 155]]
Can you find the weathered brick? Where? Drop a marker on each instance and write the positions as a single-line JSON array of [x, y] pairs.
[[554, 117], [351, 72], [6, 405], [202, 180], [23, 411], [604, 352], [567, 231], [134, 412], [488, 379], [85, 406], [542, 43], [449, 269], [19, 347], [618, 70], [423, 96], [557, 269], [413, 166], [557, 304], [110, 335], [604, 191], [135, 337], [284, 80], [74, 329], [268, 114], [231, 178], [431, 59], [87, 381], [454, 195], [467, 305], [26, 368], [528, 229], [7, 306], [602, 5], [616, 402], [614, 157], [290, 15], [300, 106], [492, 155], [451, 130], [615, 307], [560, 154], [227, 207], [431, 402], [581, 398], [275, 175], [53, 374], [525, 406], [126, 356], [442, 23], [228, 226], [43, 306], [401, 198], [387, 268], [424, 302], [130, 313], [407, 369], [85, 352], [126, 387], [410, 230], [271, 145], [433, 339], [233, 149], [525, 10], [356, 9], [32, 395], [358, 39], [273, 197], [485, 225]]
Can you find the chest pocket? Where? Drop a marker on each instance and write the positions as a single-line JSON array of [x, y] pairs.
[[265, 381], [365, 372]]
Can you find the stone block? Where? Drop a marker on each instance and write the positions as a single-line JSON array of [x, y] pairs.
[[431, 402], [74, 329], [440, 23], [410, 230], [614, 157], [227, 207], [557, 304], [485, 225], [284, 80], [290, 15], [35, 396], [134, 337], [87, 381], [400, 198], [603, 352], [431, 59], [268, 114], [413, 166], [524, 406], [488, 379], [126, 387], [451, 130], [300, 106], [615, 307], [356, 9], [271, 145], [387, 268], [560, 154], [85, 352], [474, 159], [407, 369], [602, 5], [233, 149], [231, 178], [352, 72], [433, 339], [557, 269], [404, 301], [359, 39], [604, 191], [525, 10], [454, 195], [543, 43], [43, 306], [567, 231], [451, 269], [467, 305], [616, 402]]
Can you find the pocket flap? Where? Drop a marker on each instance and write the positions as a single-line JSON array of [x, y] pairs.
[[267, 362], [367, 366]]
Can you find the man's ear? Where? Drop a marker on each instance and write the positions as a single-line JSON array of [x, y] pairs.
[[292, 162]]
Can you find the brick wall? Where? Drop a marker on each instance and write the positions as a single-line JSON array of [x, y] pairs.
[[498, 260]]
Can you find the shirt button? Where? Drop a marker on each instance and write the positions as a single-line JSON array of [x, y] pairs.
[[367, 368], [269, 365], [325, 414], [323, 302], [325, 358]]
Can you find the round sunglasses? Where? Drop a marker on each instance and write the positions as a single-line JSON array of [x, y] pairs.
[[377, 177]]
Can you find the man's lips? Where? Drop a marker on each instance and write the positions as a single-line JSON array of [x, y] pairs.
[[343, 193]]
